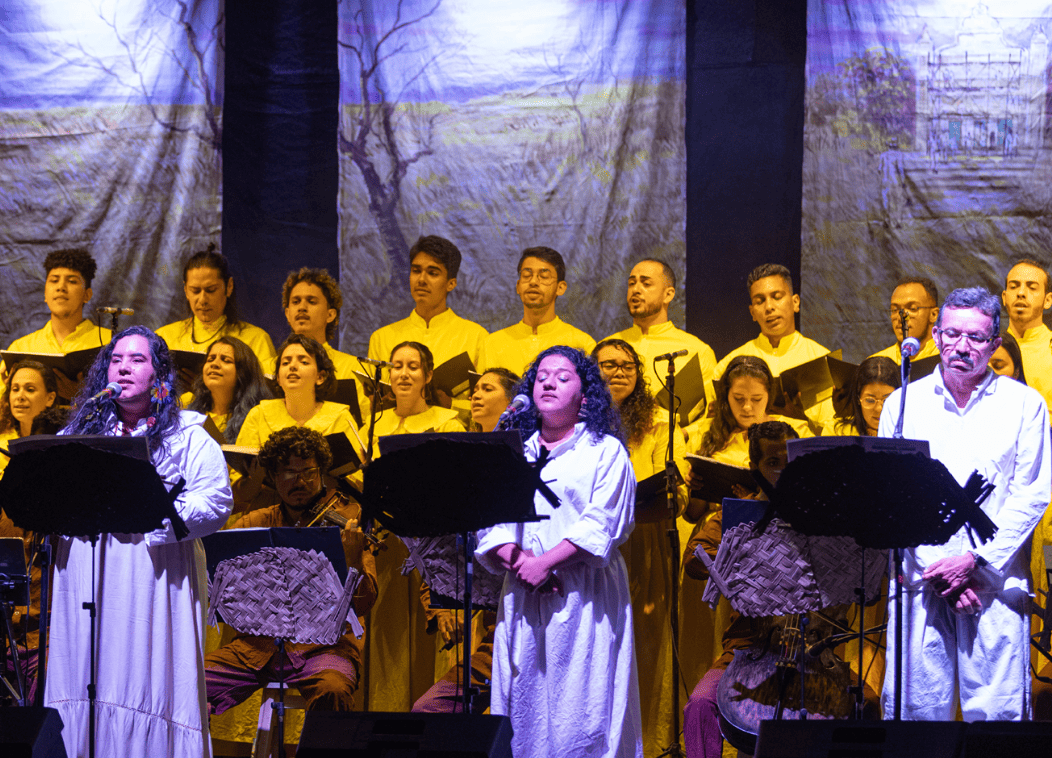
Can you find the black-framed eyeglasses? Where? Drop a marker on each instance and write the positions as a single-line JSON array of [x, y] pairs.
[[307, 475], [612, 367], [953, 336]]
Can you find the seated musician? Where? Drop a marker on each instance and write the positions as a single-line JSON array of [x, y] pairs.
[[295, 460], [701, 730]]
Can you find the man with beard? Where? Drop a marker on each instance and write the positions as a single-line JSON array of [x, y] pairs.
[[967, 607], [919, 298], [296, 460], [651, 287], [1026, 297], [542, 279]]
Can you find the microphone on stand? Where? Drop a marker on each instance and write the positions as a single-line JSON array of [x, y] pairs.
[[910, 347], [116, 311], [112, 390], [518, 403], [672, 356], [371, 362]]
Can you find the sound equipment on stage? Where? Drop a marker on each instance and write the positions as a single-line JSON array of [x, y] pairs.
[[901, 739], [331, 734], [31, 733]]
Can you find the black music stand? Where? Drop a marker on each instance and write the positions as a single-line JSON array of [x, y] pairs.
[[458, 483], [14, 590], [289, 583], [884, 500], [118, 492]]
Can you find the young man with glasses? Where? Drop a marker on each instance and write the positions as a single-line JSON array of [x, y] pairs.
[[542, 279], [918, 298], [296, 460], [967, 606], [651, 287], [1026, 297]]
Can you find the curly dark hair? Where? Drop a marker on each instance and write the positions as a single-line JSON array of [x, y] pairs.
[[316, 351], [427, 361], [767, 430], [724, 424], [211, 258], [50, 420], [85, 420], [7, 420], [874, 369], [75, 259], [330, 290], [294, 440], [597, 410], [250, 388], [637, 410]]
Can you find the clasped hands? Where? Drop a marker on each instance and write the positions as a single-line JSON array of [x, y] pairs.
[[534, 571], [954, 579]]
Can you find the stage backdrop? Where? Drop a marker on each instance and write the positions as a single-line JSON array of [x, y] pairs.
[[926, 153], [110, 133], [504, 125]]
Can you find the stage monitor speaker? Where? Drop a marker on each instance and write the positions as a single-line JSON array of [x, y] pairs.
[[987, 738], [862, 739], [31, 733], [328, 734]]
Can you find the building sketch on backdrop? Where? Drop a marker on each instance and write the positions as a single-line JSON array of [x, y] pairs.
[[926, 153], [502, 126], [110, 135]]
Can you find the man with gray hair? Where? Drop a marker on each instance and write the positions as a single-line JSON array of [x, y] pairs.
[[966, 607]]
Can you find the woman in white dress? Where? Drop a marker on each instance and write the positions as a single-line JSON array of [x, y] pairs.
[[149, 588], [563, 662]]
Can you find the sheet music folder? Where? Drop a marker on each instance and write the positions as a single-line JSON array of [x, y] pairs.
[[231, 543]]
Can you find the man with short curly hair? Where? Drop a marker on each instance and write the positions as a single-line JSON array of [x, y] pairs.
[[296, 461], [67, 289], [312, 300]]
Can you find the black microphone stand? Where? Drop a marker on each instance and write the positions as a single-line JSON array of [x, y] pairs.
[[674, 749], [897, 579]]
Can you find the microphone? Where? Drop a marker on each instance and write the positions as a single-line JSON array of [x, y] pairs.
[[672, 356], [518, 403], [112, 390], [371, 362], [116, 312], [910, 347]]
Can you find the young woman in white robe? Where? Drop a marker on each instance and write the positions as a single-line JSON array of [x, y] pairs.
[[150, 589], [563, 663]]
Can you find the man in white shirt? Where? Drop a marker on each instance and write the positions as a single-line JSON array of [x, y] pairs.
[[966, 607]]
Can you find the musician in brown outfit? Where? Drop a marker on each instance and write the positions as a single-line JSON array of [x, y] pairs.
[[296, 460]]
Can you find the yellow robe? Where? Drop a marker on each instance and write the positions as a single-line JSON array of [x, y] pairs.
[[646, 554], [894, 352], [446, 336], [43, 340], [666, 338], [790, 353], [515, 347], [193, 336], [402, 659]]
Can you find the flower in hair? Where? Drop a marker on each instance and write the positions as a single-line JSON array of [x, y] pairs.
[[160, 391]]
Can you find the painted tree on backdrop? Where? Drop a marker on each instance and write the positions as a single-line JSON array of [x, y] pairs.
[[140, 42], [383, 136]]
